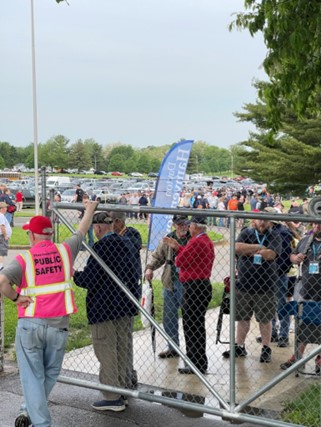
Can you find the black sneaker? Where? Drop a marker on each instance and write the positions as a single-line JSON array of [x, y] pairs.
[[283, 342], [239, 352], [109, 405], [167, 354], [23, 420], [266, 353]]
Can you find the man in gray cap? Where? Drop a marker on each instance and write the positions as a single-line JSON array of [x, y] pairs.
[[164, 255]]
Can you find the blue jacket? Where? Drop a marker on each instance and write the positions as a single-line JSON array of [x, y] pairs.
[[283, 260], [105, 300]]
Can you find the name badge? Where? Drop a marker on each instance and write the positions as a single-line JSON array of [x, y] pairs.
[[314, 268], [257, 259]]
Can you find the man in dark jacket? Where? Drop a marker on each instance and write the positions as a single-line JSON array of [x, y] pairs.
[[120, 227], [109, 310], [284, 265]]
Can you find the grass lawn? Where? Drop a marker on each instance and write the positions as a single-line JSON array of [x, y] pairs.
[[305, 409], [79, 330], [20, 237]]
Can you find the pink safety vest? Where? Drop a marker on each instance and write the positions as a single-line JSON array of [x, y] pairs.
[[46, 278]]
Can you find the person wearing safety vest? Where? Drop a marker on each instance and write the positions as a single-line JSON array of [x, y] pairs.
[[45, 299]]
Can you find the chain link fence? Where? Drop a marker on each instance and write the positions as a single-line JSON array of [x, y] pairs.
[[241, 383]]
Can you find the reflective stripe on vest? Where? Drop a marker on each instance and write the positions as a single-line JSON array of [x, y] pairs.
[[34, 291]]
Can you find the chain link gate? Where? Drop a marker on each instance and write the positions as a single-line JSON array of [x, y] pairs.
[[236, 389]]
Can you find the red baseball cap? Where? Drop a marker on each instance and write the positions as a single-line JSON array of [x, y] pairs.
[[39, 225]]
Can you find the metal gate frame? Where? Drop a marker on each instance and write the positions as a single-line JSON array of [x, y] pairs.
[[229, 410]]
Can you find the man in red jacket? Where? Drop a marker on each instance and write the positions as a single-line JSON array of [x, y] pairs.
[[195, 262]]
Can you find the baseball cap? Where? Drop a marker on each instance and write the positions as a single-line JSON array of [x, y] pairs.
[[180, 220], [118, 215], [199, 220], [40, 225], [3, 205], [271, 210], [102, 218]]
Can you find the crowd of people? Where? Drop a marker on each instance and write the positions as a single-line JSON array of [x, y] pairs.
[[39, 282]]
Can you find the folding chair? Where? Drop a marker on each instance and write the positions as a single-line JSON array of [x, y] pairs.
[[307, 315]]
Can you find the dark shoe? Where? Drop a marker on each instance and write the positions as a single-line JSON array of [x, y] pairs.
[[125, 400], [288, 363], [274, 338], [239, 352], [168, 354], [109, 405], [188, 371], [283, 342], [134, 379], [266, 353], [318, 365], [23, 420]]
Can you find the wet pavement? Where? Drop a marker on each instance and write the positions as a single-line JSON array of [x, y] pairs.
[[70, 405]]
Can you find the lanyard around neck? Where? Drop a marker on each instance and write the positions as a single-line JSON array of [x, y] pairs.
[[316, 249], [260, 241]]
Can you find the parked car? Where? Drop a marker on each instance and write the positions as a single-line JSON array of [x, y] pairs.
[[117, 173], [29, 197], [153, 174], [137, 174], [68, 196], [105, 196]]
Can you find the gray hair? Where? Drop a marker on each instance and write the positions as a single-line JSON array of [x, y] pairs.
[[203, 227]]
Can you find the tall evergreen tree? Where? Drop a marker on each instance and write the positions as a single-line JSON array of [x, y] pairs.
[[290, 159]]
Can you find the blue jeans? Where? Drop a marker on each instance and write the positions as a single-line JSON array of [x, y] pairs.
[[221, 221], [281, 297], [173, 300], [40, 351], [212, 219], [8, 217]]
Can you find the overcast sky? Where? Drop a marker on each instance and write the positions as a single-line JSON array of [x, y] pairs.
[[140, 72]]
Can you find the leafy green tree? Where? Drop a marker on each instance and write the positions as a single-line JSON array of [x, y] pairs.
[[130, 165], [192, 166], [9, 154], [292, 34], [154, 165], [2, 163], [143, 163], [80, 156], [95, 152], [54, 152], [126, 151], [116, 163], [29, 160]]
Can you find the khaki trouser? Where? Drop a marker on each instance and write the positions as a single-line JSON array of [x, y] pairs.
[[110, 342]]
